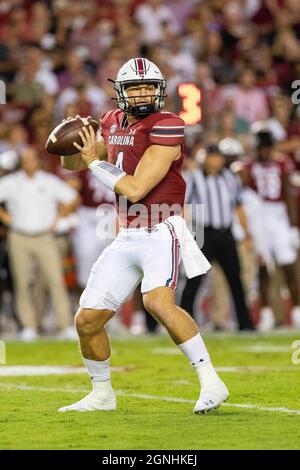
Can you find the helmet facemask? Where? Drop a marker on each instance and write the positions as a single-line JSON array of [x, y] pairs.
[[140, 110]]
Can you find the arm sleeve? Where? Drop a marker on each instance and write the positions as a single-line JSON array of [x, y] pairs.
[[168, 131]]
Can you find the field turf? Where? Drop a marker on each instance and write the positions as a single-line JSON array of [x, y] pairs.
[[156, 390]]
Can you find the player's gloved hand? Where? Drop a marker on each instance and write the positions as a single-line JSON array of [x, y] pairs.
[[295, 237]]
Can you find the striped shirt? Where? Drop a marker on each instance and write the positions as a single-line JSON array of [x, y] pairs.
[[219, 194]]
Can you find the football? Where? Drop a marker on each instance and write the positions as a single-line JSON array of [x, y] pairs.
[[60, 141]]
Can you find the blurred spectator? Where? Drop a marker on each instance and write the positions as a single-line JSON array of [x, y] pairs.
[[8, 162], [181, 61], [16, 139], [90, 99], [206, 185], [152, 15], [181, 10], [32, 198], [56, 56], [74, 68], [27, 90], [44, 74], [109, 67], [39, 26], [249, 101], [270, 179]]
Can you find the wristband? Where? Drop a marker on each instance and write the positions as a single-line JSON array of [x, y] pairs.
[[107, 173]]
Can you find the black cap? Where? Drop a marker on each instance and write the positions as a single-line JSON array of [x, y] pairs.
[[264, 138], [212, 149]]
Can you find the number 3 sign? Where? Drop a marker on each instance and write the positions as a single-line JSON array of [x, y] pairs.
[[191, 103]]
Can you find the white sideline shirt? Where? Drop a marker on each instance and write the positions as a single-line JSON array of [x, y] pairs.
[[33, 201]]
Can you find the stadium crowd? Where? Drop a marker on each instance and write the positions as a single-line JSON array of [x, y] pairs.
[[244, 57]]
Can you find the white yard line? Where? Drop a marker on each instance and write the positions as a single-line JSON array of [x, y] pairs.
[[257, 369], [14, 371], [264, 348], [251, 348], [32, 371], [141, 396]]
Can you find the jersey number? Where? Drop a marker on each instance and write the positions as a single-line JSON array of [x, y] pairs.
[[268, 184]]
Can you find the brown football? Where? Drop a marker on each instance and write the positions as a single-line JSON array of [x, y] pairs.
[[60, 141]]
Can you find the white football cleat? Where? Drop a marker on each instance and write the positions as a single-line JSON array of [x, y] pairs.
[[68, 334], [295, 317], [28, 334], [105, 401], [211, 397]]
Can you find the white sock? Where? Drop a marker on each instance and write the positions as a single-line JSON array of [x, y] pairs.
[[101, 388], [99, 372], [195, 350]]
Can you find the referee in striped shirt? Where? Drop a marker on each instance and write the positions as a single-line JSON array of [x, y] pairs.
[[218, 189]]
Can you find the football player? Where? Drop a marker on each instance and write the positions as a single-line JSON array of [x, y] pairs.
[[269, 177], [139, 156]]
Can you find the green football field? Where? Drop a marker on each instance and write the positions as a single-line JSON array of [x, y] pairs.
[[156, 390]]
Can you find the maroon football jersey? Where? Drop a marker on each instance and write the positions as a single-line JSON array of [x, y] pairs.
[[126, 143], [267, 179]]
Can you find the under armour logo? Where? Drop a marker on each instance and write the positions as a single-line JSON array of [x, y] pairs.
[[200, 360]]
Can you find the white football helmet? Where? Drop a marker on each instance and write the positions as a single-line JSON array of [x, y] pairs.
[[137, 71], [9, 160], [230, 146]]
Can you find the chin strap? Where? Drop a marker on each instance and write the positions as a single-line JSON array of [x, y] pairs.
[[142, 110], [107, 173]]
